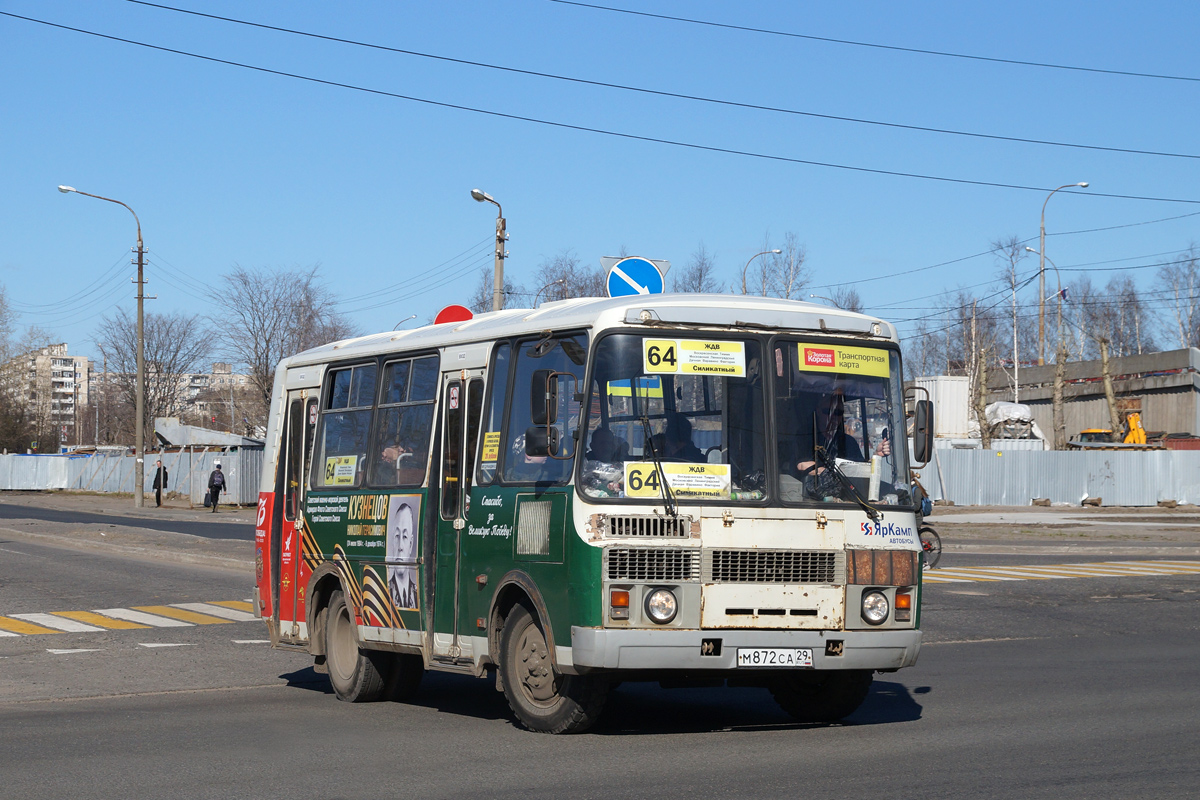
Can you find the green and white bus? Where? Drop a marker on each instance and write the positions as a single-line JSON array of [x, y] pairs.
[[671, 488]]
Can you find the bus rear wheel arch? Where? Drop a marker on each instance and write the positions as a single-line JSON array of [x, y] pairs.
[[542, 698]]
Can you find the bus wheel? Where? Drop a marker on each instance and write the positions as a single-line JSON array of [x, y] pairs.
[[821, 696], [542, 699], [354, 672]]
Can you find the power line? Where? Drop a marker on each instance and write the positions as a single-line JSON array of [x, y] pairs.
[[874, 45], [664, 93], [58, 306], [600, 131]]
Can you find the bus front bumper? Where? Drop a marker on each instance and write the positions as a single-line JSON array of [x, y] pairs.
[[649, 649]]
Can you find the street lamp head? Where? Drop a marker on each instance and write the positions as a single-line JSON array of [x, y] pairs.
[[481, 196], [1030, 249], [777, 251], [67, 189], [1082, 184]]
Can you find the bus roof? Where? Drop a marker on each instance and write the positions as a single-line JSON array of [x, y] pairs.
[[738, 312]]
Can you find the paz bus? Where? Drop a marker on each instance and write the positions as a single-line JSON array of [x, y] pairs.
[[675, 488]]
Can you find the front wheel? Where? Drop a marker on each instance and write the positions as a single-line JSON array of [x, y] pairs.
[[542, 699], [821, 696], [356, 674], [931, 544]]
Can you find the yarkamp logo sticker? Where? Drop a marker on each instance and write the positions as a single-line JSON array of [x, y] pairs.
[[885, 529]]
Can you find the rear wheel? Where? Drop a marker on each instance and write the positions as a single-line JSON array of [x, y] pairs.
[[931, 544], [356, 674], [542, 699], [821, 696]]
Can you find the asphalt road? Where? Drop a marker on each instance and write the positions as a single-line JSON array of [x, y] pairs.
[[1070, 688], [208, 525]]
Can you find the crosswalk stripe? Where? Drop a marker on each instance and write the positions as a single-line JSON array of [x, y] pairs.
[[181, 614], [51, 621], [1044, 572], [238, 605], [95, 619], [152, 620], [18, 627], [8, 633], [212, 609]]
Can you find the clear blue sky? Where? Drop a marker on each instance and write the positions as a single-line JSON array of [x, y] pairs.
[[227, 166]]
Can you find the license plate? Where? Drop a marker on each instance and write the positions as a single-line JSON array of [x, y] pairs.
[[774, 657]]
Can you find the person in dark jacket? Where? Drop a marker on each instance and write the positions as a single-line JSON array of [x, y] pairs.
[[160, 482], [216, 485]]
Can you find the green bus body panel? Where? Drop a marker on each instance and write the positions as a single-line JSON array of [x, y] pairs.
[[350, 528]]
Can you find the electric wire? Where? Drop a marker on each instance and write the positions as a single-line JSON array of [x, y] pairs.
[[665, 93], [874, 45], [57, 306], [602, 131]]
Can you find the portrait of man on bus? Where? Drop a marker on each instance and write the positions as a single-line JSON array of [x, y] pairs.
[[403, 513]]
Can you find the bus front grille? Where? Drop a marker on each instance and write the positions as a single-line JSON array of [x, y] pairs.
[[774, 566], [650, 526], [653, 564]]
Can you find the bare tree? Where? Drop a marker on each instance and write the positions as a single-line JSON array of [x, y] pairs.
[[175, 345], [481, 298], [847, 298], [1009, 252], [1181, 278], [782, 274], [272, 314], [563, 276], [699, 275]]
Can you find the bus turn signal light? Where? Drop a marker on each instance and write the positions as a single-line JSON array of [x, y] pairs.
[[903, 607], [619, 604]]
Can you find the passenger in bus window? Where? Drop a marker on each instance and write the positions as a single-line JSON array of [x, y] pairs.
[[677, 444], [603, 466], [521, 466]]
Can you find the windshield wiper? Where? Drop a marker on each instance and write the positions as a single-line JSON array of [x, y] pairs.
[[668, 496], [830, 463]]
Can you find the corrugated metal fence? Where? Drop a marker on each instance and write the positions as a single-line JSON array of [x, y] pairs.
[[1015, 477], [187, 473]]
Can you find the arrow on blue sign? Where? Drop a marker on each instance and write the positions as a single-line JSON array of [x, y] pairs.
[[631, 276]]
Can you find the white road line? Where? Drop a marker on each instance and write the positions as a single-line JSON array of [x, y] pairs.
[[217, 611], [65, 652], [251, 641], [8, 633], [167, 644], [58, 623], [129, 615]]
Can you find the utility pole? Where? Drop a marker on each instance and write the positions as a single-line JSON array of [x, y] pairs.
[[1042, 275], [501, 238]]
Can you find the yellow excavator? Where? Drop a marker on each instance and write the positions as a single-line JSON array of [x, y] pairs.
[[1134, 432]]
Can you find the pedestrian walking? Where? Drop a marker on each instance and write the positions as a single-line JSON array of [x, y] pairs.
[[160, 482], [216, 485]]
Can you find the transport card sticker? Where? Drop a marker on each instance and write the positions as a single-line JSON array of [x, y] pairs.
[[491, 446], [686, 481], [339, 470], [694, 357], [836, 358]]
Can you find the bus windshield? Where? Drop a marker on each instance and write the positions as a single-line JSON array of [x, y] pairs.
[[840, 422], [693, 402]]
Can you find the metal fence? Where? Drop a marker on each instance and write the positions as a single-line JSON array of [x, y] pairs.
[[187, 472], [1016, 477]]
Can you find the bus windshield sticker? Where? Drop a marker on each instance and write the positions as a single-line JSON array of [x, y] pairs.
[[339, 470], [694, 357], [687, 481], [647, 387], [837, 358], [491, 446]]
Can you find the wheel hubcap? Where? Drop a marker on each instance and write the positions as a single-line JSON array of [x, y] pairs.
[[533, 666]]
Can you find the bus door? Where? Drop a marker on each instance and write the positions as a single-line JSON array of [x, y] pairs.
[[287, 556], [462, 404]]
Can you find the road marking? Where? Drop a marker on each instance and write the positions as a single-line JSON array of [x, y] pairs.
[[96, 619], [152, 620], [1104, 569], [251, 641], [17, 626], [238, 605], [180, 614], [66, 652], [167, 644], [214, 610], [51, 621]]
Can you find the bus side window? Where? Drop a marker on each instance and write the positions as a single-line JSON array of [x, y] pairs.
[[291, 486], [564, 354], [492, 434], [405, 422], [345, 428], [451, 448], [474, 413]]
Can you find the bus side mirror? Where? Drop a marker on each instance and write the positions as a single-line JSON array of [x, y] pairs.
[[923, 431], [543, 397], [541, 441]]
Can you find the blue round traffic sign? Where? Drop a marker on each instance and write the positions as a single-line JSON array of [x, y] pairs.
[[631, 276]]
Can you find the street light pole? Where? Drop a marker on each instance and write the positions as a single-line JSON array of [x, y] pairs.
[[139, 403], [747, 267], [1042, 275], [501, 238]]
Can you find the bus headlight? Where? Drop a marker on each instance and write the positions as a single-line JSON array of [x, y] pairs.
[[661, 606], [875, 607]]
